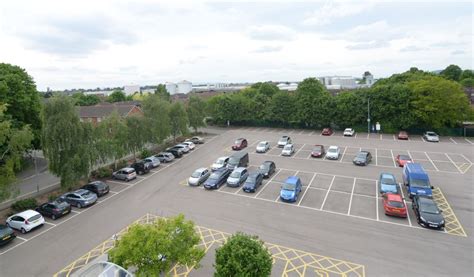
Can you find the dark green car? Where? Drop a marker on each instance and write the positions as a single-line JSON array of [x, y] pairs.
[[6, 234]]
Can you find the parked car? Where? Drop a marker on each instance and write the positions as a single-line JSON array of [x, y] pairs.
[[141, 167], [362, 158], [403, 135], [238, 159], [190, 144], [196, 140], [333, 152], [267, 168], [239, 144], [288, 150], [125, 174], [402, 160], [199, 176], [165, 157], [388, 184], [318, 151], [253, 182], [25, 221], [263, 147], [393, 205], [416, 180], [284, 140], [349, 132], [431, 136], [98, 187], [6, 234], [177, 153], [217, 178], [327, 132], [291, 189], [153, 161], [427, 212], [184, 147], [54, 209], [80, 198], [220, 163], [237, 177]]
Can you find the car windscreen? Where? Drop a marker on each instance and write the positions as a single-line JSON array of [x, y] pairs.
[[431, 134], [100, 185], [317, 148], [287, 147], [332, 150], [215, 175], [283, 140], [419, 183], [35, 217], [237, 141], [264, 166], [390, 188], [235, 174], [404, 157], [388, 181], [234, 161], [428, 207], [288, 187], [196, 174], [261, 144], [361, 155], [220, 161], [396, 204], [251, 178]]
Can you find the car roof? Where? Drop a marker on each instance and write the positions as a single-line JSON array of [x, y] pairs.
[[80, 191], [289, 144], [348, 129], [254, 173], [220, 170], [95, 182], [394, 197], [425, 199], [27, 213], [128, 169], [263, 141], [268, 162], [292, 180], [333, 146], [363, 152], [223, 157], [387, 175], [201, 169], [240, 169], [284, 137], [318, 145]]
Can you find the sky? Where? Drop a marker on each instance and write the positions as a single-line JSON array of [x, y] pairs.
[[90, 44]]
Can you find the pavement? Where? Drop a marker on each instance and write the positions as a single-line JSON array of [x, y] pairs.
[[338, 215]]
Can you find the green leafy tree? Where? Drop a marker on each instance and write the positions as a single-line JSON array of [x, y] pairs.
[[111, 138], [117, 96], [196, 111], [467, 83], [156, 248], [312, 103], [243, 255], [163, 93], [86, 100], [281, 108], [178, 119], [136, 133], [452, 72], [157, 118], [467, 74], [350, 109]]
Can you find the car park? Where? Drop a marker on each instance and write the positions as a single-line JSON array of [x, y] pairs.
[[427, 212], [284, 140], [237, 177], [267, 168], [6, 234], [98, 187], [154, 161], [253, 182], [141, 167], [25, 221], [401, 160], [348, 132], [263, 147], [190, 144], [220, 163], [177, 153], [239, 144], [388, 183], [416, 180], [165, 157], [238, 159], [54, 209], [199, 176], [288, 150], [125, 174], [80, 198], [362, 158], [318, 151], [402, 135], [184, 147], [291, 189], [393, 205], [217, 178], [327, 132], [196, 140], [431, 136], [333, 153]]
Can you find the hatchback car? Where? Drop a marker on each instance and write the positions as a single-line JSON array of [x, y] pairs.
[[141, 167], [25, 221], [190, 144], [327, 132], [177, 152], [79, 198], [220, 163], [267, 168], [199, 176], [185, 148], [401, 160], [196, 140], [125, 174], [237, 177], [98, 187], [348, 132], [318, 151], [403, 135], [6, 234], [288, 150], [253, 182], [291, 189], [388, 184], [263, 147], [54, 209], [362, 158], [217, 178], [239, 144], [154, 161], [165, 157], [393, 205], [333, 153], [427, 212], [431, 136], [284, 140]]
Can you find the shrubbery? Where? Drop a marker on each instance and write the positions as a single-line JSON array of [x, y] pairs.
[[24, 204]]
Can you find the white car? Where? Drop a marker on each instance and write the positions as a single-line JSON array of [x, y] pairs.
[[431, 136], [154, 161], [263, 147], [288, 150], [284, 140], [190, 144], [25, 221], [184, 147], [349, 132], [199, 176], [333, 153], [220, 163]]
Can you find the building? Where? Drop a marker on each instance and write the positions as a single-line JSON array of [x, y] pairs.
[[131, 89], [184, 87], [338, 82], [288, 86], [171, 88], [99, 112]]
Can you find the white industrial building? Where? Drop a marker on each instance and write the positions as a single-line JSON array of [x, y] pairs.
[[131, 89], [338, 82], [288, 87], [171, 88], [184, 87]]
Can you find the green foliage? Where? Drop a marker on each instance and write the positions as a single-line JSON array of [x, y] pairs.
[[196, 111], [145, 153], [243, 255], [281, 108], [467, 82], [102, 172], [117, 96], [155, 248], [24, 204], [136, 133], [178, 119], [163, 93], [467, 74], [86, 100], [111, 138], [312, 101], [452, 72], [156, 111]]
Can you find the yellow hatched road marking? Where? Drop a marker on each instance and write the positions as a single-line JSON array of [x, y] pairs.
[[452, 224]]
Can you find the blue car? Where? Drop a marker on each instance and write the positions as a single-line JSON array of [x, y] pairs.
[[291, 189], [217, 178], [416, 180], [388, 184]]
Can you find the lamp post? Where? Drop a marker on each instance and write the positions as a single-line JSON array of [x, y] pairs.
[[368, 115]]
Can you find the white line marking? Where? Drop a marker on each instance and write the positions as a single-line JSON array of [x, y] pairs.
[[23, 239], [453, 140], [76, 212], [368, 135], [352, 194], [355, 135], [460, 171], [376, 161], [299, 149], [404, 201], [327, 193], [344, 152], [111, 191], [262, 189], [431, 161], [394, 138], [309, 185], [423, 139], [466, 158], [468, 141], [311, 133], [393, 158], [376, 199], [52, 224], [380, 136]]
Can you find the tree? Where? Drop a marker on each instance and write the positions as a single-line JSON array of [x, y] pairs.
[[136, 133], [467, 83], [155, 248], [111, 138], [312, 103], [157, 117], [196, 111], [281, 108], [163, 93], [467, 74], [117, 96], [178, 119], [452, 72], [86, 100], [243, 255]]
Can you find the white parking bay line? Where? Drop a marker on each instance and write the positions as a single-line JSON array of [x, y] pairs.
[[426, 154], [460, 171], [299, 149], [377, 199], [343, 154], [307, 188], [52, 224], [393, 158], [23, 239], [404, 201], [466, 139], [111, 191], [76, 212], [352, 194], [453, 140], [327, 193], [376, 163], [262, 189]]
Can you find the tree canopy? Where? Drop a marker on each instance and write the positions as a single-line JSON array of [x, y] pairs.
[[196, 110], [452, 72], [117, 96], [178, 119], [86, 100], [163, 93]]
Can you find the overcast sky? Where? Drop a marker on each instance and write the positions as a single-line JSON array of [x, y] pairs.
[[89, 44]]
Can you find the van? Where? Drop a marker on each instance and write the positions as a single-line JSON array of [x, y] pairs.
[[239, 159], [416, 180], [291, 189]]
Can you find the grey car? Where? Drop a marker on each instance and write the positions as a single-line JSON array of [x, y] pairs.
[[237, 177], [79, 198], [125, 174], [165, 157], [199, 176]]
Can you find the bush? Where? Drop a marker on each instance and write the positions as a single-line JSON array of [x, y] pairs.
[[121, 164], [52, 197], [103, 172], [24, 204], [145, 153]]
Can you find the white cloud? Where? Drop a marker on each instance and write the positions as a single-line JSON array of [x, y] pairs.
[[271, 32], [332, 11], [269, 48]]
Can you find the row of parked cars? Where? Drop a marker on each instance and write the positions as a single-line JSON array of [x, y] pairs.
[[402, 135]]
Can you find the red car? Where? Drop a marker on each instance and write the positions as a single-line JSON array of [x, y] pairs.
[[393, 205], [239, 144], [403, 135], [327, 132], [318, 151], [402, 160]]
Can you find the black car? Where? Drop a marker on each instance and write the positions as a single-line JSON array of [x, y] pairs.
[[427, 212], [54, 209], [98, 187], [252, 183], [267, 169], [217, 178], [177, 153], [6, 234], [141, 167], [362, 158]]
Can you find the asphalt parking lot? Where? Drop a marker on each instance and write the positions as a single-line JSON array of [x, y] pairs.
[[339, 213]]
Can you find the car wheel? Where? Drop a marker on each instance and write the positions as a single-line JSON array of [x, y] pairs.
[[79, 205], [23, 231], [53, 217]]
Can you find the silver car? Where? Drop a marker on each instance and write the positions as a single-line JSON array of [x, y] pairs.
[[288, 150], [199, 176], [220, 163], [79, 198], [165, 157], [154, 161], [333, 153], [263, 147], [190, 144], [237, 177], [431, 136], [183, 147], [125, 174], [284, 140]]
